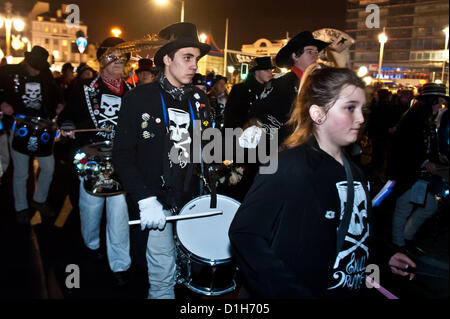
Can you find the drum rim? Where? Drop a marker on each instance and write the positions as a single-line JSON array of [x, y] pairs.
[[39, 118], [187, 251], [210, 292]]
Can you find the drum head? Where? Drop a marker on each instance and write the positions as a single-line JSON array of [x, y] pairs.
[[207, 237]]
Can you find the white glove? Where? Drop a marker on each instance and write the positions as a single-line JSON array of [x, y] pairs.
[[151, 213], [250, 137]]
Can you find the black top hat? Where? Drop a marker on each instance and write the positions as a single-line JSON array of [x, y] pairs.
[[263, 63], [180, 35], [83, 67], [145, 65], [66, 66], [301, 40], [108, 43], [199, 79], [433, 89], [37, 58]]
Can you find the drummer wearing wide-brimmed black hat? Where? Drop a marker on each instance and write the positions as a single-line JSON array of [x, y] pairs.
[[27, 89], [94, 105], [274, 106], [153, 148], [243, 95]]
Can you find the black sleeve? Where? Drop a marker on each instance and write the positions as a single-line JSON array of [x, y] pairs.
[[125, 158], [235, 112], [251, 234]]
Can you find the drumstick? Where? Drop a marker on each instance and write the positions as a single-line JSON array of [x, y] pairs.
[[177, 217]]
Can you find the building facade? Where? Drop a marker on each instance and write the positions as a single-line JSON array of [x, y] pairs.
[[50, 30], [46, 26], [416, 41]]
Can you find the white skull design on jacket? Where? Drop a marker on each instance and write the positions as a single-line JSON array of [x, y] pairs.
[[179, 133], [33, 96]]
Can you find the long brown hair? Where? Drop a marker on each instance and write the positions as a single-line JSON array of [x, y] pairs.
[[320, 86]]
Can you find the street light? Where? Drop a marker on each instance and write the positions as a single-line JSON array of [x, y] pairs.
[[116, 32], [164, 2], [9, 22], [382, 38], [362, 71], [203, 37], [445, 49], [25, 40]]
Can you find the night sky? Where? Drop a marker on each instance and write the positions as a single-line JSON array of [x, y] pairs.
[[249, 20]]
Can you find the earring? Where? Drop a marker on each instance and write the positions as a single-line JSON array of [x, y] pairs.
[[319, 121]]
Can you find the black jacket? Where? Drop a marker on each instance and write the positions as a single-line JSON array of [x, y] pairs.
[[284, 234], [414, 142], [240, 100], [276, 102], [30, 96], [85, 110], [139, 152]]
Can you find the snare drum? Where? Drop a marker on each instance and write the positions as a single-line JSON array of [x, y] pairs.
[[34, 136], [204, 262], [93, 164]]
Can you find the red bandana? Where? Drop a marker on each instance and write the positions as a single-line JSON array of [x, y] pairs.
[[114, 85], [297, 71]]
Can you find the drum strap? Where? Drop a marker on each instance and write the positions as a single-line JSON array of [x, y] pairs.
[[343, 227]]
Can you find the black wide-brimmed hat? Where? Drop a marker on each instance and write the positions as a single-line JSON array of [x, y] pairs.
[[180, 35], [37, 58], [433, 89], [301, 40], [145, 65], [109, 43], [262, 63]]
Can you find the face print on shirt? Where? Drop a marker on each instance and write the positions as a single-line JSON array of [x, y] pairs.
[[33, 95], [180, 122]]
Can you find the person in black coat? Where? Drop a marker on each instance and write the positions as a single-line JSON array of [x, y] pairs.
[[273, 108], [27, 89], [94, 105], [240, 100], [284, 235], [415, 155], [243, 95], [153, 149]]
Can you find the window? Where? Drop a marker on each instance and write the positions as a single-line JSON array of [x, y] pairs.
[[400, 21], [352, 25], [401, 10], [64, 43], [47, 41], [55, 41]]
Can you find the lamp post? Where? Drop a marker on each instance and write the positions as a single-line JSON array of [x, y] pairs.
[[164, 2], [382, 38], [225, 51], [9, 22], [116, 32], [445, 49]]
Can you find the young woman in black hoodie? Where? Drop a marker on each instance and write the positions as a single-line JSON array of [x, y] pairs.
[[284, 235]]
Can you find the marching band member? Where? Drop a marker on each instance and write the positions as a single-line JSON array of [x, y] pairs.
[[153, 148], [28, 90], [96, 104], [273, 108]]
